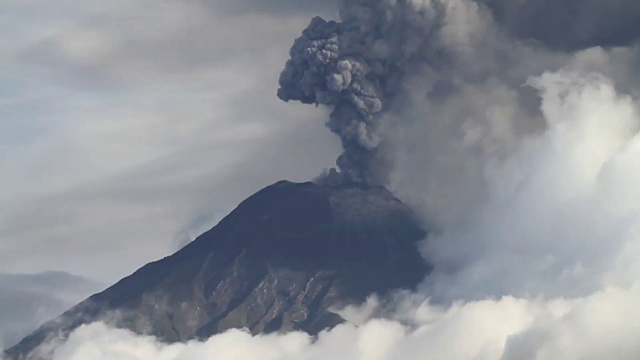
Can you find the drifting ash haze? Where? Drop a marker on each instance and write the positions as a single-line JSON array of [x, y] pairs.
[[518, 147]]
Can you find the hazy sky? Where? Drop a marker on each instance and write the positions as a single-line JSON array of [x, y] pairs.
[[127, 127]]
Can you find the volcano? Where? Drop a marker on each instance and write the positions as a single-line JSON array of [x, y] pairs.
[[281, 261]]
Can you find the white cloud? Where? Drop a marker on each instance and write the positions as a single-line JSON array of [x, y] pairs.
[[600, 326], [548, 225]]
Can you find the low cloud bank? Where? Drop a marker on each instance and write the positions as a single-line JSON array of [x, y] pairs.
[[600, 326]]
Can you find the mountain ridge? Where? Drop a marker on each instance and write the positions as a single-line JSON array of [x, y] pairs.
[[278, 262]]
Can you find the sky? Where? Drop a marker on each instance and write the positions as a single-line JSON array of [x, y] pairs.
[[128, 128], [511, 128], [29, 300]]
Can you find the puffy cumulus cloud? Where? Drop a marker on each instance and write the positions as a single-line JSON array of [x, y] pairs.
[[436, 334], [551, 220], [601, 326]]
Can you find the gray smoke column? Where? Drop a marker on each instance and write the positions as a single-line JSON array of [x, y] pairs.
[[357, 66]]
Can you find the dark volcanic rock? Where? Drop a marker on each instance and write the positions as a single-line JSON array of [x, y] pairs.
[[278, 262]]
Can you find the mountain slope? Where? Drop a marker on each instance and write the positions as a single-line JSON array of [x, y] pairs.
[[278, 262]]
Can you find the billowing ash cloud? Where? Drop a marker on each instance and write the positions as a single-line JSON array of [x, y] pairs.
[[571, 24], [357, 66]]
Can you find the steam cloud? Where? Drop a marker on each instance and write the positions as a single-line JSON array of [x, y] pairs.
[[522, 156]]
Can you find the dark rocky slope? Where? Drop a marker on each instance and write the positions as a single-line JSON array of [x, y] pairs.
[[278, 262]]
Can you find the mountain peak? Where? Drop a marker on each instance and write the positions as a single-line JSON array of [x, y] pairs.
[[278, 262]]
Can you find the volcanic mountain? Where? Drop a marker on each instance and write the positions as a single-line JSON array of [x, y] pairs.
[[281, 261]]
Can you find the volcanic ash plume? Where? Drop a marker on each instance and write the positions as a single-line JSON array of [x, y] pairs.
[[360, 65], [357, 66]]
